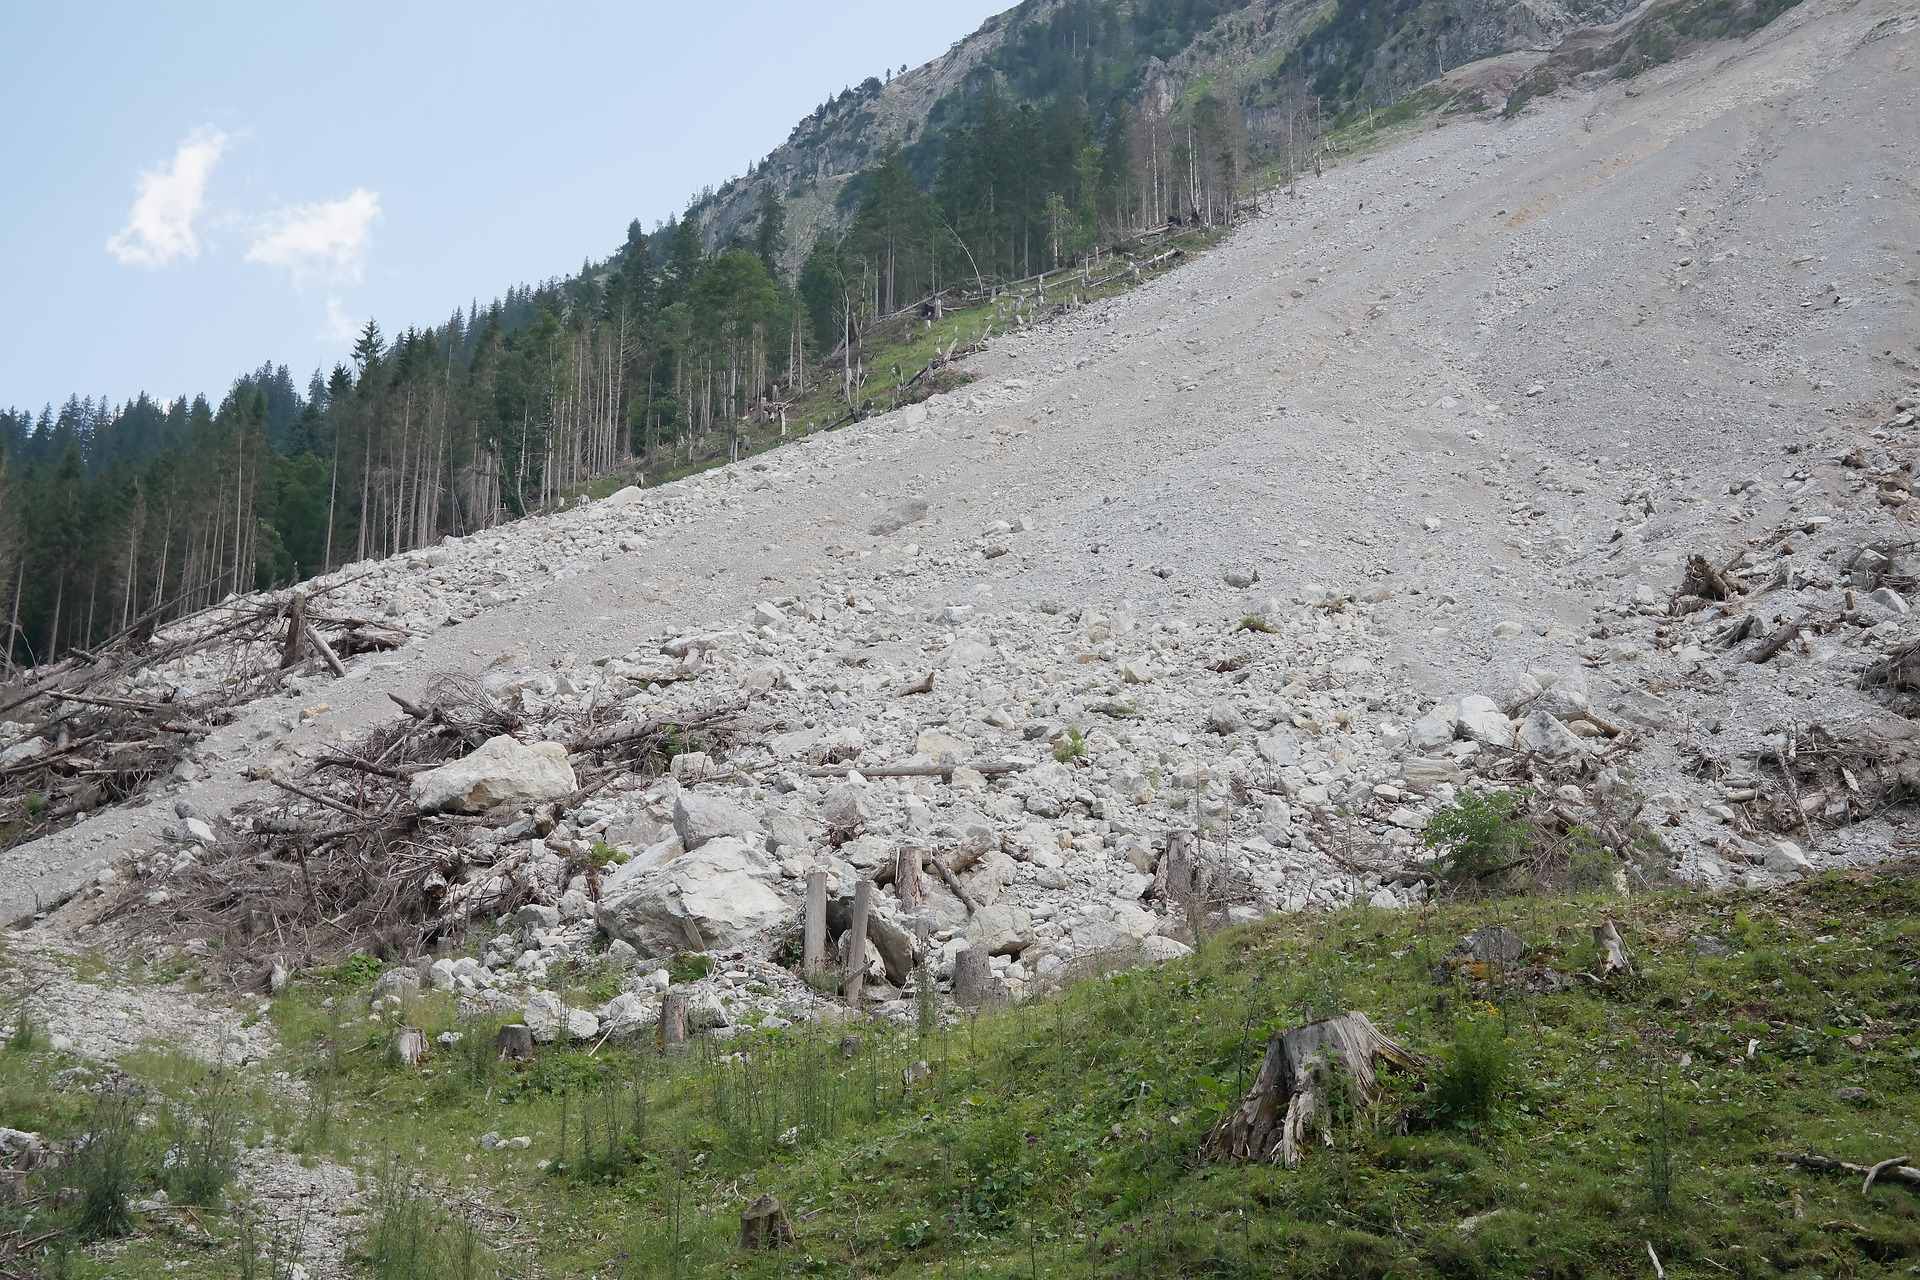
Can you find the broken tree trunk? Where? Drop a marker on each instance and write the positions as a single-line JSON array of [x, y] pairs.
[[813, 927], [1173, 878], [854, 980], [764, 1225], [953, 883], [1775, 643], [325, 650], [1613, 950], [295, 648], [1288, 1103], [908, 881], [974, 985], [515, 1042], [673, 1021]]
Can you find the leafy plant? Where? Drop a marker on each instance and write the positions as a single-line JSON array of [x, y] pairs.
[[1072, 746], [1477, 1071], [1477, 840], [206, 1143], [1254, 622], [107, 1166]]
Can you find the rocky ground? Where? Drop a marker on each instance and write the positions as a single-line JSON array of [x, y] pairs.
[[1393, 494]]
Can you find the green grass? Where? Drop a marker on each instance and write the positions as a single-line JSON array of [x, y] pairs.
[[1567, 1125], [1564, 1126]]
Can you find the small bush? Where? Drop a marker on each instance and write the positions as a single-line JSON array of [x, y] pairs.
[[1072, 746], [1477, 840], [26, 1036], [1254, 622], [206, 1145], [689, 966], [106, 1167], [1477, 1073]]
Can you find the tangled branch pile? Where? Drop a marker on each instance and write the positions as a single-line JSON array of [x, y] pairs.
[[357, 861], [100, 726]]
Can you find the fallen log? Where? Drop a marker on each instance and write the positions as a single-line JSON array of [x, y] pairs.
[[944, 772], [1288, 1103]]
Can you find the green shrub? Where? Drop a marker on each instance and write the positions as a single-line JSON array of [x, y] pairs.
[[107, 1166], [1477, 840], [1072, 746], [689, 966], [206, 1144], [1477, 1073]]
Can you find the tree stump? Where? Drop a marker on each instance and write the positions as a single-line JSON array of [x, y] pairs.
[[813, 927], [764, 1225], [1613, 950], [514, 1042], [409, 1046], [672, 1032], [973, 981], [295, 649], [1173, 878], [854, 983], [908, 882], [1287, 1104]]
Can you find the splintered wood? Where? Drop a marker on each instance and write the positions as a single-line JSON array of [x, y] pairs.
[[1288, 1105]]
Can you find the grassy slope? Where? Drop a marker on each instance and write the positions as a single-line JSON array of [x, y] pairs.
[[1059, 1138]]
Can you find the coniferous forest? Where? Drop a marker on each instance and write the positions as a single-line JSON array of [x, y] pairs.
[[126, 515]]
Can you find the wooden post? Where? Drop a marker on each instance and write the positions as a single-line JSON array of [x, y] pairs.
[[972, 978], [295, 648], [907, 880], [813, 956], [855, 980], [673, 1021], [515, 1042]]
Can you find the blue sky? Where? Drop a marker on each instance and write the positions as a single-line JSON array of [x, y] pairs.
[[192, 189]]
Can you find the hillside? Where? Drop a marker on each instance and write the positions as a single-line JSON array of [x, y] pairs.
[[1508, 526]]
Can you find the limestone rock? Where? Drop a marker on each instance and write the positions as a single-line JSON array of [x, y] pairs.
[[501, 771], [721, 890]]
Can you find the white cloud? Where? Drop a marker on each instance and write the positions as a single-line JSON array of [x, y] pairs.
[[159, 226], [327, 240]]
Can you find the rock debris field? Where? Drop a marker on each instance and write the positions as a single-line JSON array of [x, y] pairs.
[[1572, 452]]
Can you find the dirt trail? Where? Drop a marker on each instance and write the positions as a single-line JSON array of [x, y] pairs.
[[1440, 370]]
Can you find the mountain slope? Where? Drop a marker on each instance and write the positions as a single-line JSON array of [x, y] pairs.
[[1139, 55]]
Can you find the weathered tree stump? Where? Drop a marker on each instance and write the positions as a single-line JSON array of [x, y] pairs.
[[296, 647], [672, 1032], [1173, 878], [764, 1225], [1613, 950], [973, 982], [908, 881], [1287, 1104], [409, 1046], [854, 982], [514, 1042], [813, 927]]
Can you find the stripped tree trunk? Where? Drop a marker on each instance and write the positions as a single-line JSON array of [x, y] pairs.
[[813, 954], [1287, 1105], [673, 1021], [854, 982]]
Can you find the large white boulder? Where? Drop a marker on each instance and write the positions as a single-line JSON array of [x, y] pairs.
[[723, 889], [1483, 721], [501, 772], [700, 818]]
